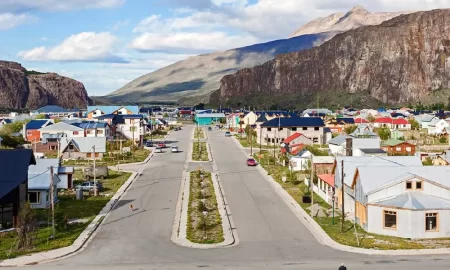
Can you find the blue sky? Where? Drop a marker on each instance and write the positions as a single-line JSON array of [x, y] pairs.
[[107, 43]]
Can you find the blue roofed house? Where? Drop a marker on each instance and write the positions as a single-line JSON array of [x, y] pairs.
[[409, 202], [95, 129], [206, 119], [31, 130], [96, 111], [39, 189], [14, 165], [54, 111], [4, 121]]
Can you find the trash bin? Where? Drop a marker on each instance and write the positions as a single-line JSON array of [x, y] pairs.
[[79, 194]]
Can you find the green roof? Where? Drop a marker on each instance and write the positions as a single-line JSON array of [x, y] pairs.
[[392, 142]]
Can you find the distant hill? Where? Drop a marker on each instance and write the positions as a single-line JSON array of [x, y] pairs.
[[193, 79]]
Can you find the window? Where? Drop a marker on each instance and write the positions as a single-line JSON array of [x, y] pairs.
[[89, 131], [34, 197], [99, 131], [398, 149], [88, 155], [409, 185], [70, 146], [418, 184], [305, 128], [75, 133], [431, 222], [294, 129], [315, 140], [408, 149], [390, 220], [280, 129], [269, 129], [29, 133], [52, 147], [316, 128]]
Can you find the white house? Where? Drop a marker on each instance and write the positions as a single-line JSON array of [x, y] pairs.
[[250, 119], [95, 129], [437, 126], [39, 189], [408, 202], [64, 174], [352, 163], [337, 145], [62, 128], [300, 161], [131, 126], [425, 119]]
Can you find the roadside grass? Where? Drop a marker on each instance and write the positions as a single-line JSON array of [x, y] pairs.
[[199, 133], [201, 229], [245, 142], [200, 154], [86, 210], [297, 189], [139, 155]]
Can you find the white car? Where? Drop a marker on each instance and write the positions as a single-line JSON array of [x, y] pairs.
[[158, 149], [174, 149]]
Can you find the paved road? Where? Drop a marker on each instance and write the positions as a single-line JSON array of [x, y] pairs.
[[271, 237]]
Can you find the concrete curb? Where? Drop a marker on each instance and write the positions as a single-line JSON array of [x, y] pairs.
[[208, 148], [83, 239], [322, 237], [180, 220]]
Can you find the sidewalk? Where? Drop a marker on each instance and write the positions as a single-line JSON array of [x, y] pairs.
[[322, 237]]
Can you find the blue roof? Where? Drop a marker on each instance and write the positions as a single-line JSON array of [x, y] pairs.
[[295, 121], [262, 118], [37, 124], [111, 109], [347, 120], [90, 125], [14, 168], [7, 121], [41, 181], [54, 109], [131, 116]]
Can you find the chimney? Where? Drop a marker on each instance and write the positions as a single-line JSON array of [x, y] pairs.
[[349, 147]]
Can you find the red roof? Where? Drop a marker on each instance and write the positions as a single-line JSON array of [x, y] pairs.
[[292, 137], [296, 149], [361, 121], [387, 120], [327, 178]]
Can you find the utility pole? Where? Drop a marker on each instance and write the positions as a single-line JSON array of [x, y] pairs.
[[95, 175], [52, 198], [311, 184], [342, 195], [260, 139]]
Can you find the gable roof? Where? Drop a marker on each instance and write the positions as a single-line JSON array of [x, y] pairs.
[[393, 142], [346, 120], [55, 109], [111, 109], [14, 165], [42, 165], [6, 120], [38, 123], [295, 121], [61, 126], [361, 121], [41, 181], [85, 144], [292, 137], [262, 118], [327, 178], [90, 124], [416, 201], [395, 121], [338, 140]]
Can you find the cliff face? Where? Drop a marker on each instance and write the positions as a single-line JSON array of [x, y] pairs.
[[399, 61], [21, 90]]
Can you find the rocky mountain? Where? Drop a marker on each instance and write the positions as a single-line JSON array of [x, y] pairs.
[[193, 79], [20, 88], [341, 22], [399, 61]]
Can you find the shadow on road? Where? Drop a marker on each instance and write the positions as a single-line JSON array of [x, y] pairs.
[[122, 203], [135, 212]]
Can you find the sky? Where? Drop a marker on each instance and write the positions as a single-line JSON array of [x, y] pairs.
[[107, 43]]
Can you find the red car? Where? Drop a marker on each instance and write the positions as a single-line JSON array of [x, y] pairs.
[[251, 162], [162, 144]]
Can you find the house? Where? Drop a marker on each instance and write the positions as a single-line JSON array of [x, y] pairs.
[[360, 120], [232, 121], [62, 128], [278, 129], [339, 124], [95, 128], [337, 145], [209, 118], [392, 123], [325, 188], [54, 111], [39, 189], [350, 164], [83, 148], [425, 119], [64, 174], [131, 126], [322, 112], [250, 119], [31, 130], [347, 145], [407, 202], [14, 165], [300, 161], [437, 159], [5, 121], [364, 131], [185, 113], [396, 147], [397, 134], [296, 139], [96, 111], [438, 127]]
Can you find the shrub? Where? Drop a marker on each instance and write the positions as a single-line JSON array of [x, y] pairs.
[[443, 140]]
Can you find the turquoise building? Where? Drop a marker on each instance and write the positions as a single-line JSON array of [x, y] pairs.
[[205, 119]]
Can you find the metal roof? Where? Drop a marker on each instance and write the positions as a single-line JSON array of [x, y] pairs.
[[55, 109], [85, 144], [14, 165], [416, 201], [111, 109], [262, 118], [43, 164], [210, 115], [41, 181], [295, 121], [38, 123], [338, 140], [372, 151], [90, 124], [61, 126]]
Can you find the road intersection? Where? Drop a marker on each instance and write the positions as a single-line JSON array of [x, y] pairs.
[[270, 235]]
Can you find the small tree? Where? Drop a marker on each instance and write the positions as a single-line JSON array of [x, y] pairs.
[[384, 133], [350, 129], [428, 162], [443, 140], [414, 124], [26, 227]]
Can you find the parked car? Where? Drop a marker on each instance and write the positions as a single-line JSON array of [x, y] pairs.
[[162, 144], [158, 149], [148, 144], [100, 172], [175, 149], [89, 185], [227, 134], [251, 162]]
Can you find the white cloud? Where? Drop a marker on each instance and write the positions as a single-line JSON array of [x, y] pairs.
[[189, 42], [57, 5], [9, 20], [82, 47]]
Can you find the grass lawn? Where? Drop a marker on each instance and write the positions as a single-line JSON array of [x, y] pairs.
[[199, 133], [139, 156], [246, 143], [201, 229], [70, 208], [297, 189], [200, 154]]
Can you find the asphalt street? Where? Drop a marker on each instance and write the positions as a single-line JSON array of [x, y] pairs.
[[270, 235]]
